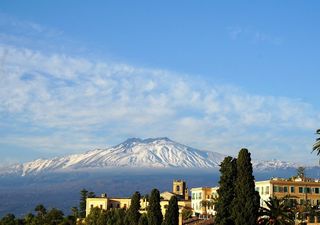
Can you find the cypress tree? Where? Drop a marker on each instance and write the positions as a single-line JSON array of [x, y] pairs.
[[82, 204], [133, 214], [223, 207], [154, 209], [246, 200], [172, 213], [143, 220]]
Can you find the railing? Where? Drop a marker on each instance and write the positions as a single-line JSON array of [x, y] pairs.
[[313, 220]]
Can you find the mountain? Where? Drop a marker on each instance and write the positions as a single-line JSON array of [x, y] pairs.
[[135, 153]]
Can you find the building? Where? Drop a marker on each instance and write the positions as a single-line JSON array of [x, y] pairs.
[[299, 190], [179, 189], [106, 203], [202, 200]]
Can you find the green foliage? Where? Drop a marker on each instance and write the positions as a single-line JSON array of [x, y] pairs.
[[75, 212], [42, 217], [277, 212], [316, 145], [29, 218], [8, 219], [98, 216], [228, 170], [93, 217], [154, 209], [133, 214], [301, 172], [143, 219], [172, 213], [246, 200], [116, 217], [82, 203], [54, 217], [186, 213]]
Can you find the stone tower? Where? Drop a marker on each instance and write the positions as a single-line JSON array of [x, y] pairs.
[[179, 188]]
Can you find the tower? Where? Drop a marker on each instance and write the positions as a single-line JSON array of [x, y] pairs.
[[179, 188]]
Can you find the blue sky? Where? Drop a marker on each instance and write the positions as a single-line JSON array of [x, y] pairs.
[[214, 75]]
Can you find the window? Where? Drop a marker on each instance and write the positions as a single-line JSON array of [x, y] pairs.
[[111, 206], [307, 190], [267, 190], [257, 189], [261, 190], [100, 206], [292, 189], [193, 196], [118, 205], [280, 189], [300, 189], [275, 188], [200, 195], [316, 190], [285, 189], [91, 206], [178, 188]]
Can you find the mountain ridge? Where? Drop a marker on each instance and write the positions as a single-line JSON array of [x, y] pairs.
[[136, 153]]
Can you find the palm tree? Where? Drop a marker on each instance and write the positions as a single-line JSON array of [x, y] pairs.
[[204, 204], [276, 213], [316, 145]]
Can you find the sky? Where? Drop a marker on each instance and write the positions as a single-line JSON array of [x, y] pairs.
[[214, 75]]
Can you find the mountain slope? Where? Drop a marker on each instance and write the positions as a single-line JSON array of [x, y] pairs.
[[138, 153]]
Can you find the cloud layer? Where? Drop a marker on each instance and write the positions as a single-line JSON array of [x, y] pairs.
[[63, 103]]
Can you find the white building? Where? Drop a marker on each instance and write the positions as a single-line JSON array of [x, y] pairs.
[[202, 200]]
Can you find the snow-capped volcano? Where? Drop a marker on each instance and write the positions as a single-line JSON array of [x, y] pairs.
[[134, 153]]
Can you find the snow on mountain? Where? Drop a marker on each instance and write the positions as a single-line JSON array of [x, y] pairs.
[[134, 152]]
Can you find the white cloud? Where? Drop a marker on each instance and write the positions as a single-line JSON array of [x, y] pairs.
[[66, 103], [253, 35]]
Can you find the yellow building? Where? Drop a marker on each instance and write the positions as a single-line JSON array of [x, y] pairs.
[[296, 189], [106, 203], [103, 202], [202, 199]]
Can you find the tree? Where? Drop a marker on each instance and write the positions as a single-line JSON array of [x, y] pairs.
[[41, 213], [82, 203], [223, 207], [143, 219], [54, 216], [276, 213], [116, 217], [29, 218], [172, 213], [246, 200], [8, 219], [204, 204], [301, 172], [133, 213], [316, 145], [75, 212], [92, 218], [41, 210], [186, 213], [154, 209]]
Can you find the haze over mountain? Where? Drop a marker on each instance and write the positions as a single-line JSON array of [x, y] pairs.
[[136, 153]]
